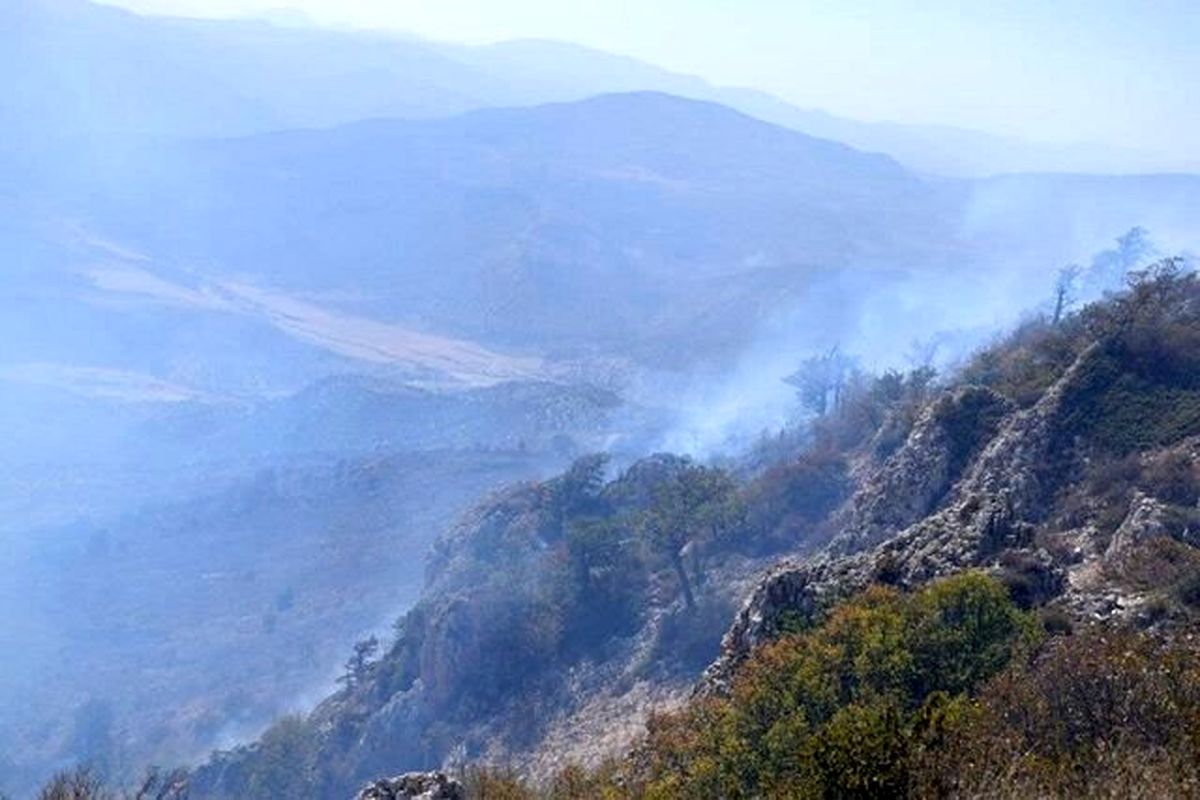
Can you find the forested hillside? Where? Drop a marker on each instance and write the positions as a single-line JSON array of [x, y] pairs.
[[955, 543]]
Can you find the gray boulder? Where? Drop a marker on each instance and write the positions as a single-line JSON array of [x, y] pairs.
[[414, 786]]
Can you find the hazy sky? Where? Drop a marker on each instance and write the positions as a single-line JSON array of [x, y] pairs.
[[1123, 72]]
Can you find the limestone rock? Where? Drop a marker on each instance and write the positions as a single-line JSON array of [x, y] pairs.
[[1009, 467], [1146, 520], [915, 479], [414, 786]]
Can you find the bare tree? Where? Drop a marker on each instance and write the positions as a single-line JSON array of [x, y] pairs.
[[82, 783], [923, 353], [1065, 290], [78, 784], [158, 785]]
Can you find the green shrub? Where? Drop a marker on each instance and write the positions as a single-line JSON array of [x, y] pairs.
[[1072, 720], [603, 584], [1173, 477], [945, 692], [844, 708]]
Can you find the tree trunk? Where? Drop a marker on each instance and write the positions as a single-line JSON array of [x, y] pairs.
[[684, 582]]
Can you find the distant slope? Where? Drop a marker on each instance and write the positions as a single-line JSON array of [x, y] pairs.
[[676, 228], [509, 226], [195, 622], [423, 358]]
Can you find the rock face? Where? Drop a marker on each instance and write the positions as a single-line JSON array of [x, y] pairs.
[[414, 786], [918, 476], [965, 490], [1147, 519]]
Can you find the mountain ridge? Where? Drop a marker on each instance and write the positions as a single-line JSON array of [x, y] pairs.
[[459, 78]]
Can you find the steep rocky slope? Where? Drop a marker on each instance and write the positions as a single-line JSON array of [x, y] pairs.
[[1071, 499], [558, 616], [541, 622]]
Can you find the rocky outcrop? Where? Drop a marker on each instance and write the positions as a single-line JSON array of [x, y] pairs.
[[792, 592], [414, 786], [917, 477], [1147, 519], [986, 517]]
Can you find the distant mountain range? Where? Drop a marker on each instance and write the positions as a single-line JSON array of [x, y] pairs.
[[128, 73], [476, 243]]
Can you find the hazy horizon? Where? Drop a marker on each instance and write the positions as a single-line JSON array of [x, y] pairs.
[[1100, 73]]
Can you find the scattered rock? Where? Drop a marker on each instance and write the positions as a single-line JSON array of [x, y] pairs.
[[1146, 520], [414, 786]]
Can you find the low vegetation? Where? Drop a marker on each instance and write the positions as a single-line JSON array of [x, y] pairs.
[[950, 691], [849, 707]]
